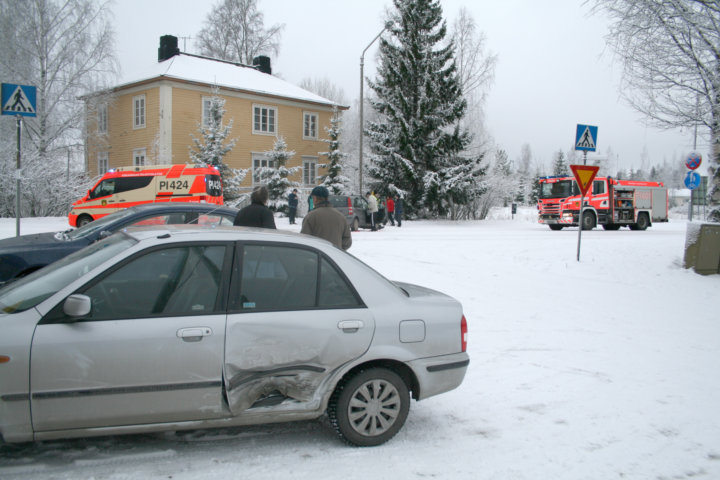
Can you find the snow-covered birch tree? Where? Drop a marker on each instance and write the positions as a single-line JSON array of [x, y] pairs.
[[670, 52], [498, 186], [325, 88], [65, 49], [476, 72], [235, 31], [212, 146]]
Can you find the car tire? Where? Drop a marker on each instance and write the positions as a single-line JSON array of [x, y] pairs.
[[355, 225], [83, 220], [611, 226], [555, 227], [370, 407]]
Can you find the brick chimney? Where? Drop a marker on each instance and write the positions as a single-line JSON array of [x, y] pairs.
[[262, 63], [168, 47]]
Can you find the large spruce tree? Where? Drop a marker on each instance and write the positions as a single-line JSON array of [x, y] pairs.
[[417, 143]]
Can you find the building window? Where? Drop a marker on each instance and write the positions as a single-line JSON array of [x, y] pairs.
[[139, 157], [264, 119], [139, 111], [206, 105], [260, 161], [103, 163], [102, 118], [310, 122], [309, 170]]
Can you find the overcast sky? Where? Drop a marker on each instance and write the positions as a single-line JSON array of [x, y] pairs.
[[553, 70]]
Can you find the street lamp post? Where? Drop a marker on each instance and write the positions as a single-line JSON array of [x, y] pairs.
[[362, 102]]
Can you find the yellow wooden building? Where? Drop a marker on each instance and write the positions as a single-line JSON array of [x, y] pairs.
[[150, 120]]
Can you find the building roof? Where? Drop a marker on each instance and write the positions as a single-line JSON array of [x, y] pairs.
[[227, 75]]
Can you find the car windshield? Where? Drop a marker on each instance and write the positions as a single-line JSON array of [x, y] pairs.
[[40, 285], [559, 189], [99, 225]]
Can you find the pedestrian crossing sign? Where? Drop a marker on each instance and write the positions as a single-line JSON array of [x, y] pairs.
[[18, 100], [586, 138]]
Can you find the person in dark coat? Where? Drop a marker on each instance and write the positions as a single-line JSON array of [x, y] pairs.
[[399, 210], [292, 206], [257, 214]]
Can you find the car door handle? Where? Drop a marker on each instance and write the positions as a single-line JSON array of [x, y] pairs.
[[350, 326], [194, 334]]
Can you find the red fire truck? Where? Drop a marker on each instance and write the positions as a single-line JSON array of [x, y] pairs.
[[611, 203]]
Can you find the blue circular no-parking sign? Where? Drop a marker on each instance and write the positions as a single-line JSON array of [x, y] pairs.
[[692, 180]]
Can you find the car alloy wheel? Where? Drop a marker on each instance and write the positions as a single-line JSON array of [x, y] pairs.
[[370, 407]]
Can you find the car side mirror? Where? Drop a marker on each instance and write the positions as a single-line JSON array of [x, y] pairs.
[[104, 234], [77, 305]]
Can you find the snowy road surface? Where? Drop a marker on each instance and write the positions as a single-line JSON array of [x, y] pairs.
[[600, 369]]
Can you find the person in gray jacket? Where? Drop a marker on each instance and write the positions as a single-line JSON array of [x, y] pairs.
[[325, 222]]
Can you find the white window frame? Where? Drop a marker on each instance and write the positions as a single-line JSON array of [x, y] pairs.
[[206, 103], [267, 124], [310, 170], [259, 160], [139, 111], [103, 162], [139, 157], [310, 125], [102, 118]]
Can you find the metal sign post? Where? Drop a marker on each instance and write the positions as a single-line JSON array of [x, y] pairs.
[[580, 223], [692, 181], [20, 101], [18, 176], [585, 141], [584, 176]]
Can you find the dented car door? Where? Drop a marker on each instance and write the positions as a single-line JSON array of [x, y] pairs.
[[294, 319]]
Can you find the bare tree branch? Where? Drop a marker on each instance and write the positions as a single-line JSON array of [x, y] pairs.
[[235, 31], [670, 52]]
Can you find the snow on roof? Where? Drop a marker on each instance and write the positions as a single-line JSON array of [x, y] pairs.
[[224, 74]]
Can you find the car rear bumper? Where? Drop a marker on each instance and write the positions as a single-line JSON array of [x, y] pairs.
[[437, 375]]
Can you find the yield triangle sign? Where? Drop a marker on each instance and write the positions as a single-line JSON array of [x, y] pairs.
[[584, 175]]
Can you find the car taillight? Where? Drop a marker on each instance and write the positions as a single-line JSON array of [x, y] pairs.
[[463, 333], [349, 206]]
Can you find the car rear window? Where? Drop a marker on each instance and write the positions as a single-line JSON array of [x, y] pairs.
[[338, 201]]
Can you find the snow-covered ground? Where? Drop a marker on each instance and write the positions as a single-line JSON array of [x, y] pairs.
[[607, 368]]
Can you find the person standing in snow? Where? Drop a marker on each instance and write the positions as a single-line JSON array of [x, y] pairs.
[[372, 209], [390, 203], [326, 222], [256, 214], [399, 210], [292, 206]]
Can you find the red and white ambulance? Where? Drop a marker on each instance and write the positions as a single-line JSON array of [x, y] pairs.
[[127, 186], [611, 203]]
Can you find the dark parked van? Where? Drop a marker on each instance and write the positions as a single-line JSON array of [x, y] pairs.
[[355, 209]]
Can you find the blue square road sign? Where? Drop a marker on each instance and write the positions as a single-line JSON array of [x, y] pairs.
[[19, 100], [586, 138]]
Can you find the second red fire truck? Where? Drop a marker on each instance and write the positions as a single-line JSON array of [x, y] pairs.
[[609, 202]]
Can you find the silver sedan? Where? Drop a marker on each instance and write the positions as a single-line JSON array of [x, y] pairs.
[[182, 328]]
